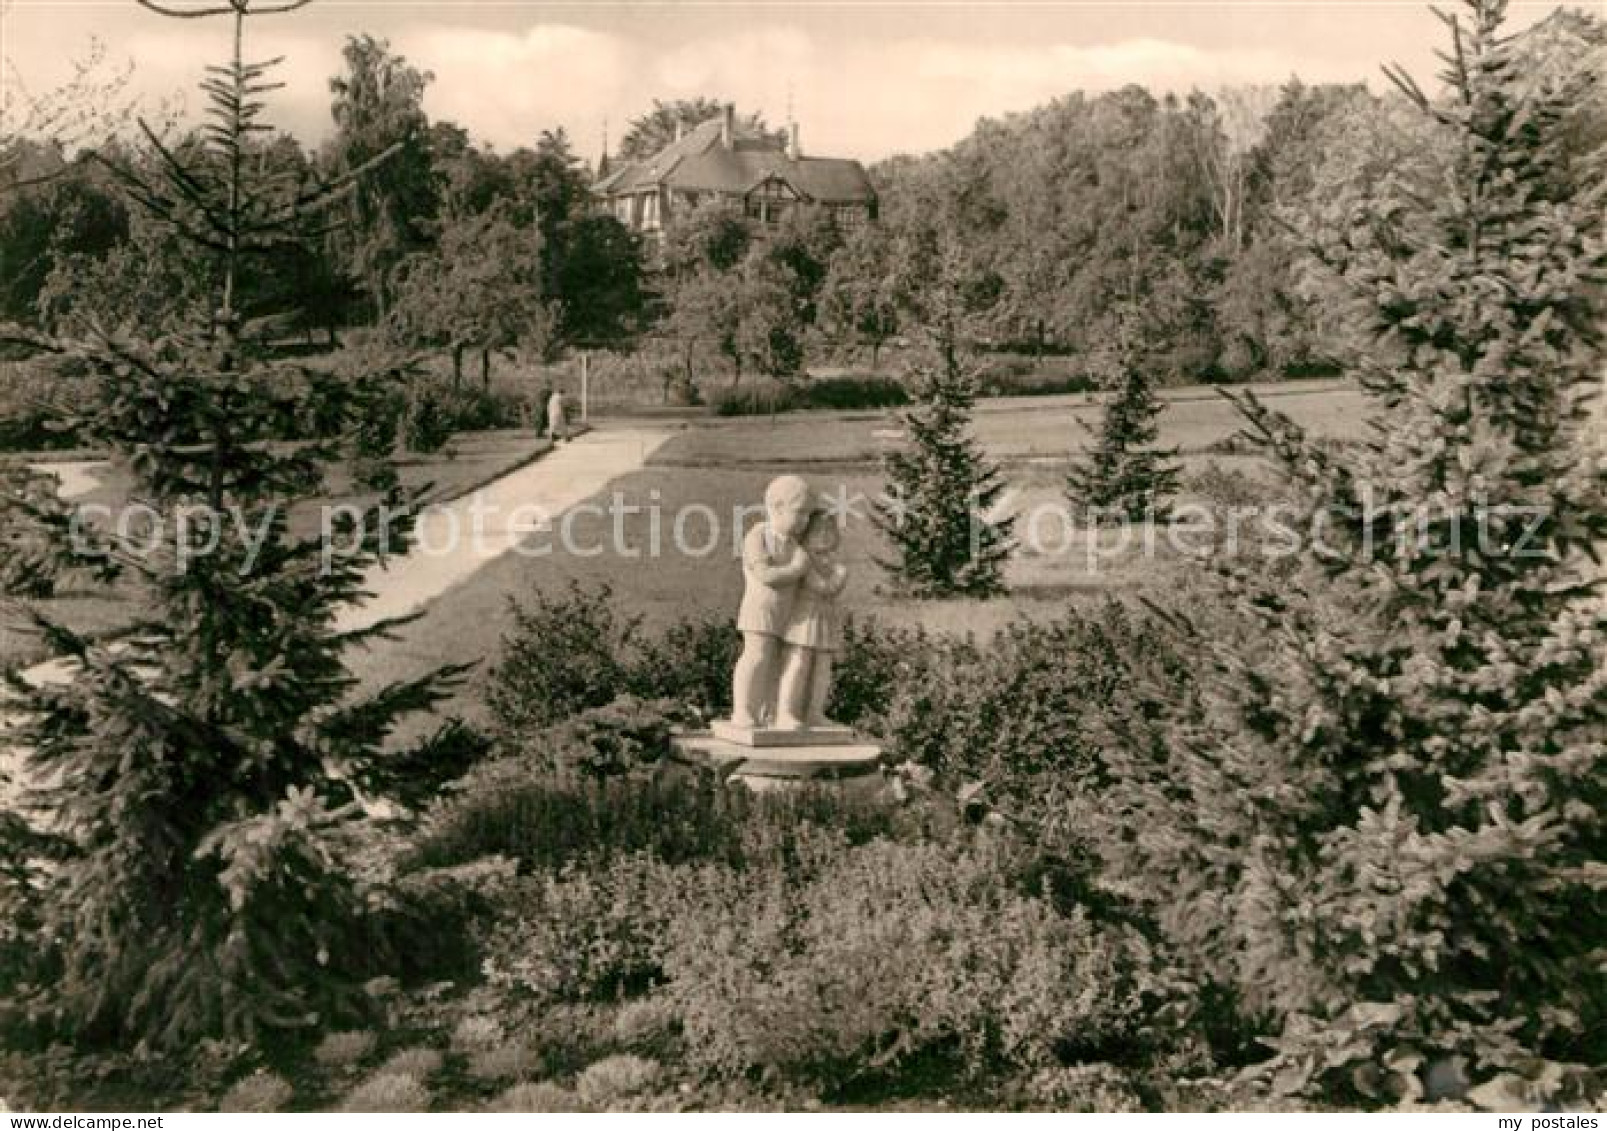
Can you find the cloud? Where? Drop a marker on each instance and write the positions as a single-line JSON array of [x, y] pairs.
[[506, 87], [943, 87], [167, 68], [859, 96], [758, 64]]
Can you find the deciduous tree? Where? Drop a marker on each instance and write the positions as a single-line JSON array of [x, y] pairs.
[[378, 108], [652, 131]]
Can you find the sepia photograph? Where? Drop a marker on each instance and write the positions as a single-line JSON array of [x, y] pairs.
[[627, 557]]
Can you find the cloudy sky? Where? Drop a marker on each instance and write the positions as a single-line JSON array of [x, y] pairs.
[[865, 79]]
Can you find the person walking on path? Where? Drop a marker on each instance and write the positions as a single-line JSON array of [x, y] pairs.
[[533, 414], [557, 429]]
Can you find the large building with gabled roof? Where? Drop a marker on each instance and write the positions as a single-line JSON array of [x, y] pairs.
[[768, 177]]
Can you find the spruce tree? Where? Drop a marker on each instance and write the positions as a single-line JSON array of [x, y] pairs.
[[940, 507], [202, 781], [1123, 474], [1384, 827]]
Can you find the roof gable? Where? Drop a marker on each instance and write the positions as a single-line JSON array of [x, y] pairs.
[[699, 162]]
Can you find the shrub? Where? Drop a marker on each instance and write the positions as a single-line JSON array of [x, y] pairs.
[[564, 654], [38, 399], [513, 808], [1407, 765], [426, 424], [860, 961], [621, 738], [1033, 714], [419, 1063], [586, 933], [478, 1032], [388, 1092], [430, 912], [1014, 375], [574, 652], [542, 1097], [644, 1025], [689, 663], [416, 774], [940, 508], [617, 1078], [853, 392], [863, 391], [343, 1050], [260, 1091]]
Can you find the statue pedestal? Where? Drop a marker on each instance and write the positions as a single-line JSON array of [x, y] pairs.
[[774, 758], [769, 738]]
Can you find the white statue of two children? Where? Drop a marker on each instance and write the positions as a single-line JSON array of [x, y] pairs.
[[789, 620]]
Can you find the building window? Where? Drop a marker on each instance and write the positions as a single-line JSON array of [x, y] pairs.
[[770, 201]]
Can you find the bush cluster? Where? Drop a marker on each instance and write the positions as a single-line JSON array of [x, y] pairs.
[[437, 408], [850, 392], [867, 960], [517, 807], [572, 651], [833, 961], [514, 807], [736, 913], [1030, 713], [1037, 701], [1005, 374]]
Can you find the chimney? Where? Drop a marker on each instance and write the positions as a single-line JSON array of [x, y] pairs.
[[728, 125], [794, 151]]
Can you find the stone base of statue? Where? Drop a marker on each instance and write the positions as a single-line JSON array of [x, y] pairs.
[[829, 735], [764, 758]]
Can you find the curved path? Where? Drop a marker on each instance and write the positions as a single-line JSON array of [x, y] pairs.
[[455, 538]]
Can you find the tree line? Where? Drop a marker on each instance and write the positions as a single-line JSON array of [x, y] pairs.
[[1054, 224]]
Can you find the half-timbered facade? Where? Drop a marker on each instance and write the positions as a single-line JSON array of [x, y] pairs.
[[767, 177]]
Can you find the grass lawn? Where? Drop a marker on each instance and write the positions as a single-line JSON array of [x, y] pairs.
[[471, 460], [1013, 428], [467, 623], [724, 464]]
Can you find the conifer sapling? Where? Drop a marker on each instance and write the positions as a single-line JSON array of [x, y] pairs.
[[200, 780]]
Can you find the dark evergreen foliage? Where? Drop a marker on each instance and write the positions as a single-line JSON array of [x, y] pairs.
[[1124, 475], [941, 507], [201, 779], [1384, 827]]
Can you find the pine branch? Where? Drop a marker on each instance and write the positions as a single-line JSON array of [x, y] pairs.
[[368, 722]]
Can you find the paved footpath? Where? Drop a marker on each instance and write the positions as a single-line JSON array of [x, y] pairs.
[[453, 540]]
